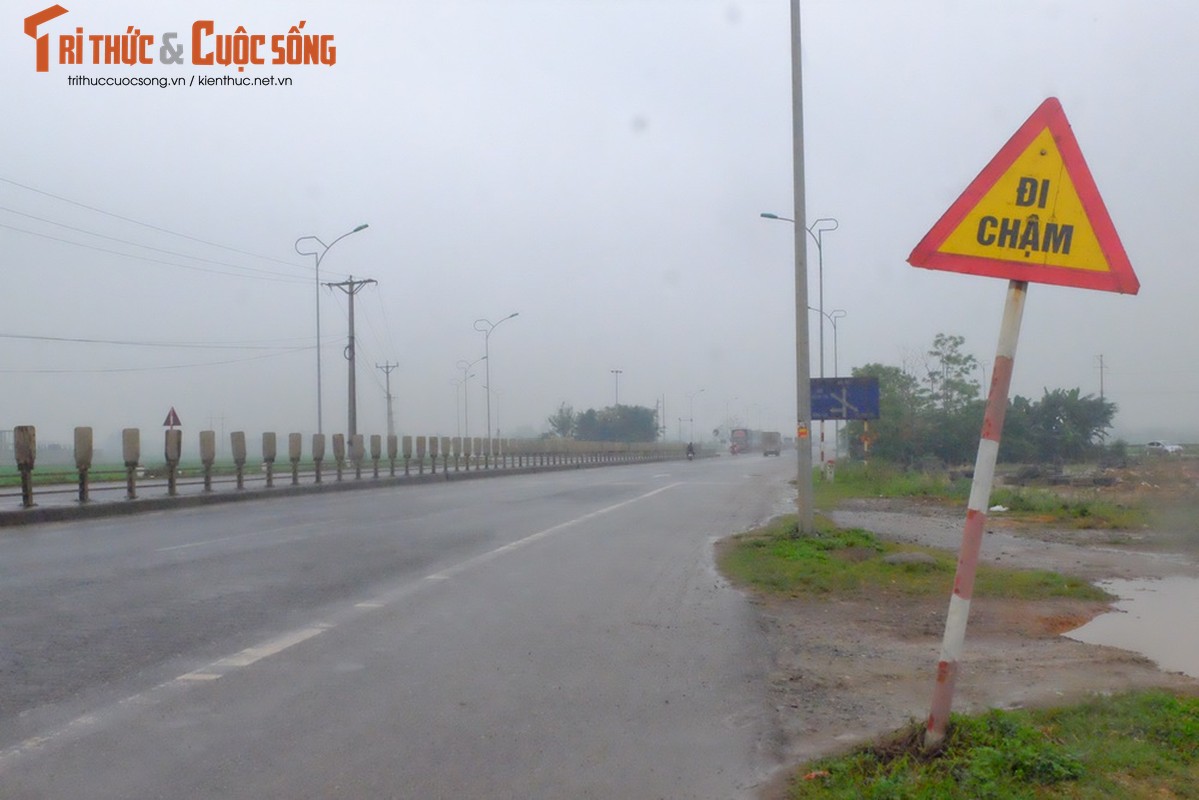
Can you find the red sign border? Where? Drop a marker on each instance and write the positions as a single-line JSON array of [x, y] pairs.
[[1049, 114]]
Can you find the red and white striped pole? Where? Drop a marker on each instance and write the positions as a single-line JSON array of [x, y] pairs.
[[976, 514]]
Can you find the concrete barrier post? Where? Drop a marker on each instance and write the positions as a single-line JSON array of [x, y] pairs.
[[407, 453], [207, 456], [268, 457], [318, 453], [83, 459], [466, 442], [433, 441], [376, 453], [131, 450], [393, 451], [171, 449], [237, 440], [295, 449], [420, 455], [445, 456], [357, 454], [25, 448], [456, 443], [476, 447], [339, 453]]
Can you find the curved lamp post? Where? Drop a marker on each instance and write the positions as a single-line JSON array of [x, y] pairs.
[[691, 412], [320, 254], [816, 230], [466, 367], [486, 326]]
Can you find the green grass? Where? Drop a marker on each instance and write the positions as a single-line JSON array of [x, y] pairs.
[[847, 561], [1137, 745], [879, 479]]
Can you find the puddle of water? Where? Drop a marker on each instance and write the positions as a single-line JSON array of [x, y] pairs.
[[1155, 618]]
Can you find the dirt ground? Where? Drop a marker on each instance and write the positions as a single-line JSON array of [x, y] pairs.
[[847, 670]]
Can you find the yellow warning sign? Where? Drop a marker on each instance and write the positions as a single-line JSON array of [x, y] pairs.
[[1033, 214]]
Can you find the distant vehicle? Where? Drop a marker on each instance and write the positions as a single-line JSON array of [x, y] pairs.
[[739, 440], [772, 443], [1163, 448]]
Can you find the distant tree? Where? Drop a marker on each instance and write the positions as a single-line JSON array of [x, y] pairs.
[[951, 373], [897, 434], [617, 424], [562, 423], [1069, 425]]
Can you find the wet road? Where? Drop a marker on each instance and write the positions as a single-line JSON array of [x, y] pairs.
[[554, 635]]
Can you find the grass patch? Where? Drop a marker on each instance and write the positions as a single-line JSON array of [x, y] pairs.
[[1137, 745], [777, 561], [879, 479], [1076, 512]]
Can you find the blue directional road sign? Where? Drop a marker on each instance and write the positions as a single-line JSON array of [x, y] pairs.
[[844, 398]]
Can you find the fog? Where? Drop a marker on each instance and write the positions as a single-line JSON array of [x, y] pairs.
[[597, 168]]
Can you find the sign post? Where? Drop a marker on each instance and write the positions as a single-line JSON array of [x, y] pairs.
[[1033, 214]]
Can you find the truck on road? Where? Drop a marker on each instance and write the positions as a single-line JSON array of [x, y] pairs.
[[772, 443]]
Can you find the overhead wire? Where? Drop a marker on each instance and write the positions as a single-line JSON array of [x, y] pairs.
[[274, 273], [147, 225], [280, 279]]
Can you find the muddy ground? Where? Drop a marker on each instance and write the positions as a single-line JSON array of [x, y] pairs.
[[847, 670]]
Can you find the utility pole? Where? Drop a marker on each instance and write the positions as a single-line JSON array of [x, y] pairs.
[[616, 374], [351, 287], [387, 367], [1101, 368]]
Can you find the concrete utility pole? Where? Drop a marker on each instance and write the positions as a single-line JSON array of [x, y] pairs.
[[351, 287], [387, 367], [805, 495], [616, 374]]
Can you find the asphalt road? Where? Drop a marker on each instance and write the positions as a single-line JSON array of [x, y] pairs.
[[541, 636]]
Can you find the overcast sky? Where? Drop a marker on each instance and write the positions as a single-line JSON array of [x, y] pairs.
[[598, 167]]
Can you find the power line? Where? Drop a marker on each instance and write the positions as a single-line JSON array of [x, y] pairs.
[[143, 246], [143, 224], [182, 345], [149, 369], [280, 279]]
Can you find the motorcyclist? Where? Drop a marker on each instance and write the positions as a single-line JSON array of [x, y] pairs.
[[690, 451]]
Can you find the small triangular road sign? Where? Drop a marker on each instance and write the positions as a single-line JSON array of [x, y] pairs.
[[1033, 214], [172, 420]]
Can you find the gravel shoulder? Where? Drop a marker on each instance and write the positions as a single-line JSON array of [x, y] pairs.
[[847, 670]]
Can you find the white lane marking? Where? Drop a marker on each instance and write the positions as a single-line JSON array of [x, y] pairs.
[[277, 645], [532, 537], [289, 528], [252, 655]]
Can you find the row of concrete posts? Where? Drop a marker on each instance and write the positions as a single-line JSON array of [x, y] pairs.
[[415, 451]]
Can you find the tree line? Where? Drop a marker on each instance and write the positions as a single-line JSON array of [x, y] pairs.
[[932, 409], [619, 423]]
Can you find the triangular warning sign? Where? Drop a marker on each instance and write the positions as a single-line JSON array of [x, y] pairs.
[[1033, 214], [172, 419]]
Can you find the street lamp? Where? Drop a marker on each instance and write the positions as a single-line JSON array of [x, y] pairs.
[[691, 411], [833, 316], [487, 327], [816, 231], [616, 375], [466, 367], [320, 255]]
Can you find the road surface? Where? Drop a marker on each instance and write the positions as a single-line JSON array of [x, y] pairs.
[[541, 636]]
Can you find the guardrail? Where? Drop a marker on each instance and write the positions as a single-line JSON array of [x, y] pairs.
[[355, 462]]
